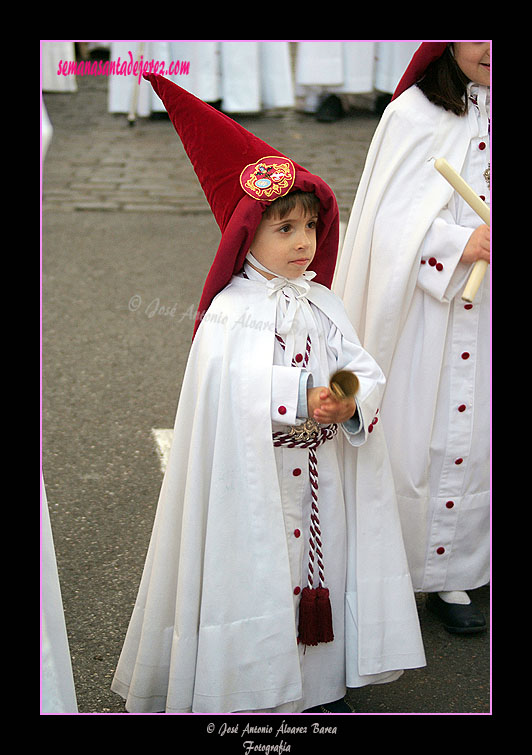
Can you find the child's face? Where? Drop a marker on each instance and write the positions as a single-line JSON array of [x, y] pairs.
[[286, 246], [473, 58]]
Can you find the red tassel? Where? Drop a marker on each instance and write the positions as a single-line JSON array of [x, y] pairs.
[[315, 616], [308, 617], [324, 615]]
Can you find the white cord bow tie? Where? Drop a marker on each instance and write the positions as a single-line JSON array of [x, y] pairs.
[[293, 291]]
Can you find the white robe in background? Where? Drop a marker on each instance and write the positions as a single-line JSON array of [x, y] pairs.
[[52, 53], [349, 67], [391, 60], [214, 627], [247, 77], [342, 67], [400, 278], [58, 694]]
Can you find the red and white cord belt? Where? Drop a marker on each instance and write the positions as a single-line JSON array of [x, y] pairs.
[[312, 443], [315, 613]]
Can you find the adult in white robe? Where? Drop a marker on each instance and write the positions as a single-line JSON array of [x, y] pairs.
[[400, 276]]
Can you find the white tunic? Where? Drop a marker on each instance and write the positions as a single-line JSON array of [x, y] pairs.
[[214, 628], [323, 668], [434, 348]]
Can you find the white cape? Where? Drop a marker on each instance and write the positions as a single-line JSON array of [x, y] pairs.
[[216, 584], [399, 196]]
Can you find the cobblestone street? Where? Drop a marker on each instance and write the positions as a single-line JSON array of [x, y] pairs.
[[107, 165]]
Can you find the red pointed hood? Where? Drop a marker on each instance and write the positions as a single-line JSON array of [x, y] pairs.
[[240, 175]]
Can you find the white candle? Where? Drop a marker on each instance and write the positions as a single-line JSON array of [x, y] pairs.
[[482, 210], [463, 188]]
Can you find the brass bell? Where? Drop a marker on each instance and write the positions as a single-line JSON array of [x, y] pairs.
[[344, 384]]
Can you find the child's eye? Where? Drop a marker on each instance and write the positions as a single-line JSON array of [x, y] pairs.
[[284, 228]]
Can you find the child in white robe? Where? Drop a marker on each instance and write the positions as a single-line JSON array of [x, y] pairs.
[[408, 251], [252, 520]]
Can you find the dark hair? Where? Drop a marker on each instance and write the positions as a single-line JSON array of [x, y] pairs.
[[307, 200], [444, 84]]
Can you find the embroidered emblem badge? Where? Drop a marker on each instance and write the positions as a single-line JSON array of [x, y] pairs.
[[268, 178]]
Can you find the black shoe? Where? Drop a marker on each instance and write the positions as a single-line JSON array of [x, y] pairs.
[[330, 110], [456, 618], [338, 706]]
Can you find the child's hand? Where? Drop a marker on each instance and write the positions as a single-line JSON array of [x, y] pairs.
[[325, 408], [479, 246]]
